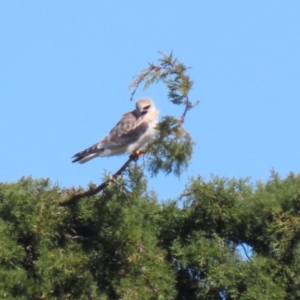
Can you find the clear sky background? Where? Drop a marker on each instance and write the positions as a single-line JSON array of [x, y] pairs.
[[65, 67]]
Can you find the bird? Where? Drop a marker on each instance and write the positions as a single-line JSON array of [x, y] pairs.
[[131, 133]]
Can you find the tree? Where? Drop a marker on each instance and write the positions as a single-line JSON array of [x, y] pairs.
[[123, 243]]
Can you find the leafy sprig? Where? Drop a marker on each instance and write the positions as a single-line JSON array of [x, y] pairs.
[[171, 150]]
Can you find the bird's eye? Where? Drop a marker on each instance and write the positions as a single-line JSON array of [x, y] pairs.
[[146, 107]]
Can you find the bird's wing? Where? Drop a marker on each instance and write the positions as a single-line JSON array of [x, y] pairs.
[[127, 131]]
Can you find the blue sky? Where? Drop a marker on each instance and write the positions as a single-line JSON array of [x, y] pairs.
[[65, 67]]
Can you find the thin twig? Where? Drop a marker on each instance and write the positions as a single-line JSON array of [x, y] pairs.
[[187, 107], [140, 78], [99, 188], [245, 251]]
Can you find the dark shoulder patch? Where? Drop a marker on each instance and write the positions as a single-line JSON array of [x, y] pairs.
[[131, 136]]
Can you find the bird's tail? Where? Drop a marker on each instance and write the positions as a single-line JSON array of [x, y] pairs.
[[82, 159], [88, 154]]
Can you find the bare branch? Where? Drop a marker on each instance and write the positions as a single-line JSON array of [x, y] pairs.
[[188, 106], [99, 188]]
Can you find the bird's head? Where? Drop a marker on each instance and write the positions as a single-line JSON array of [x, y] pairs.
[[144, 106]]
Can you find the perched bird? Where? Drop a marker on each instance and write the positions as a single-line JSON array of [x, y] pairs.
[[133, 131]]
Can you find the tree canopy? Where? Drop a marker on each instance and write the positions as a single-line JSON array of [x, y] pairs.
[[120, 241]]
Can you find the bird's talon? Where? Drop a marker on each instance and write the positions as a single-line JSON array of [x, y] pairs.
[[137, 153]]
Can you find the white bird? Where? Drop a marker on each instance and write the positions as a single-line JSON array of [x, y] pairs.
[[133, 131]]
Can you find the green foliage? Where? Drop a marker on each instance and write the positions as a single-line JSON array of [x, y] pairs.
[[102, 247], [169, 71], [168, 153], [125, 244]]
